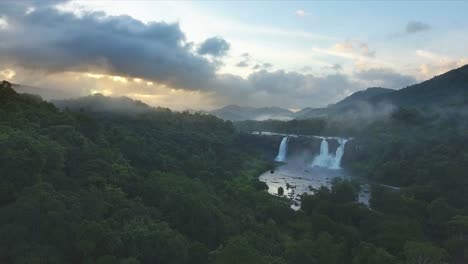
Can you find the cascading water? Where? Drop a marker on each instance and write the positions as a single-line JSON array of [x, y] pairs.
[[324, 157], [327, 160], [282, 151], [339, 154]]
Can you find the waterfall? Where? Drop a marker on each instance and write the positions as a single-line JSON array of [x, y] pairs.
[[282, 151], [324, 157], [324, 148], [327, 160], [339, 154]]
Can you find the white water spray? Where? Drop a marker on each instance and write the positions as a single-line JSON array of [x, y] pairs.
[[327, 160], [282, 151]]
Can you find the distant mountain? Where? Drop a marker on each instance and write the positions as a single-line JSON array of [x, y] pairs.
[[99, 103], [45, 93], [309, 112], [448, 89], [239, 113]]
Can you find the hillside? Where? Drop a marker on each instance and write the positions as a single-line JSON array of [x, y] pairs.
[[446, 89], [239, 113], [362, 96], [179, 188], [99, 103]]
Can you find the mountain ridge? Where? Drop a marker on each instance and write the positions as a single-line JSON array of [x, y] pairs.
[[239, 113], [445, 89]]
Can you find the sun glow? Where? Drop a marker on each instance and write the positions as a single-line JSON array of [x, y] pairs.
[[7, 73]]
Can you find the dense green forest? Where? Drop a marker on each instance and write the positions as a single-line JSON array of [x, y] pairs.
[[157, 186]]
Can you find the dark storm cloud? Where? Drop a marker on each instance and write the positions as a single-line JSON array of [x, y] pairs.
[[416, 26], [48, 42], [55, 41], [215, 47], [385, 77]]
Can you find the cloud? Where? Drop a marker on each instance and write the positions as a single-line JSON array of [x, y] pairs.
[[3, 23], [155, 63], [263, 66], [436, 64], [385, 77], [215, 47], [245, 60], [242, 64], [301, 13], [7, 73], [349, 49], [335, 67], [353, 47], [416, 26], [55, 41], [288, 89]]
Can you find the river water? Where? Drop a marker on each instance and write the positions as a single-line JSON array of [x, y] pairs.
[[299, 179]]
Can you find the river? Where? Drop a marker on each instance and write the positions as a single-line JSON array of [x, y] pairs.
[[297, 180]]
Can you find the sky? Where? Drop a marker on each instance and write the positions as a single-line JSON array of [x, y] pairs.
[[207, 54]]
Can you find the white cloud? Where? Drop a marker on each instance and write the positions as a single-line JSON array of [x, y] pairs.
[[301, 13], [3, 23], [436, 64], [385, 77], [353, 47]]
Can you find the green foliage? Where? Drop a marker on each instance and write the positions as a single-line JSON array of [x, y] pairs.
[[238, 251], [420, 253], [368, 253], [157, 186]]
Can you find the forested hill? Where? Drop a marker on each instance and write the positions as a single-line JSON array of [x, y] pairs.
[[363, 96], [99, 103], [446, 89], [118, 189], [165, 187]]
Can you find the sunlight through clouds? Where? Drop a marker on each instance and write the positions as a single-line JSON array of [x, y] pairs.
[[173, 49]]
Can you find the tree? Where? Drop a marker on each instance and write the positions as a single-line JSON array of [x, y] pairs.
[[423, 253], [368, 253], [238, 251], [343, 191]]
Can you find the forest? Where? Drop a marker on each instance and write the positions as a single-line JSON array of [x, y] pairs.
[[157, 186]]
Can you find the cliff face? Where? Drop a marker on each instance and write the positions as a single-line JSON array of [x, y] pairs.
[[267, 146], [353, 152]]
